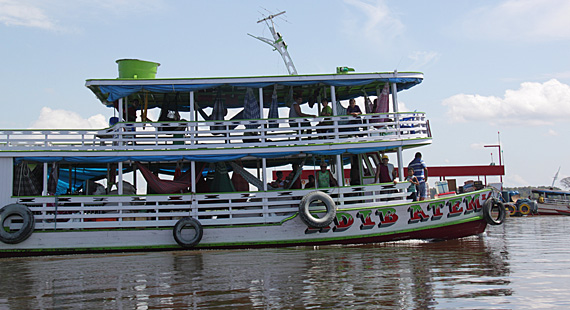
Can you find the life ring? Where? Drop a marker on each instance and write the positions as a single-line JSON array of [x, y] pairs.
[[312, 220], [511, 209], [28, 223], [183, 240], [488, 207], [524, 209]]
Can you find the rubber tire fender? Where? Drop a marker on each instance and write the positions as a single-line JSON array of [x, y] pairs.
[[512, 210], [488, 208], [13, 237], [180, 225], [311, 220], [524, 209]]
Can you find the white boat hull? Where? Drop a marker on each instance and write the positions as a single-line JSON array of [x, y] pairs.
[[452, 217]]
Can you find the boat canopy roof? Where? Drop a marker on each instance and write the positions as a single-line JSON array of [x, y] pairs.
[[550, 191], [155, 92]]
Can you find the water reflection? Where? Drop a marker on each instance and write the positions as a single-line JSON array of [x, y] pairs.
[[397, 275]]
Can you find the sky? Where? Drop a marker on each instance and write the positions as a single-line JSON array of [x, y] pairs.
[[494, 71]]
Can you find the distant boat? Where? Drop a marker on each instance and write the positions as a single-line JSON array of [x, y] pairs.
[[552, 202]]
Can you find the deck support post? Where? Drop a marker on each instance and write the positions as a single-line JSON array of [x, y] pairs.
[[397, 118], [339, 170], [264, 205], [192, 119], [120, 182], [335, 112], [193, 177], [262, 116], [264, 173], [121, 119], [45, 180]]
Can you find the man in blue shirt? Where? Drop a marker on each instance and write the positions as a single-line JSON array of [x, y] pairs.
[[421, 173]]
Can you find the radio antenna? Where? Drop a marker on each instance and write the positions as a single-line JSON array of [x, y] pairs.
[[278, 43]]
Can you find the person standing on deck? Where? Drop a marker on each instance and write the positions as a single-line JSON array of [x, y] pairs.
[[421, 173], [295, 111], [385, 172], [324, 177], [289, 183]]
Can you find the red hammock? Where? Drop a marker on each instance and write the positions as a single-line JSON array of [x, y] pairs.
[[168, 186]]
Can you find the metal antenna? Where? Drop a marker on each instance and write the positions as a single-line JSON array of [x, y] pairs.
[[278, 43], [555, 177]]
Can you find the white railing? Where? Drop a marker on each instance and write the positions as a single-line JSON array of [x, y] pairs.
[[155, 211], [223, 134]]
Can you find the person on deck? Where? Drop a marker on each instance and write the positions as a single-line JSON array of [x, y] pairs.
[[385, 172], [421, 173], [279, 182], [355, 111], [325, 177], [295, 111], [311, 183], [412, 189], [325, 111], [296, 183], [130, 113]]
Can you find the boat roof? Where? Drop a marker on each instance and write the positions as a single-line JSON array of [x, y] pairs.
[[550, 191], [157, 91]]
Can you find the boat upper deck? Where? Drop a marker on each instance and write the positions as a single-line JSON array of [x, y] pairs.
[[251, 131], [373, 132]]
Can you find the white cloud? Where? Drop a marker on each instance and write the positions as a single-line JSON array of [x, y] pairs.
[[538, 20], [44, 15], [551, 132], [380, 24], [421, 59], [57, 119], [531, 104], [477, 146], [21, 13], [514, 180]]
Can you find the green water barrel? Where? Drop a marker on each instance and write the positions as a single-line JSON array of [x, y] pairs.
[[137, 69]]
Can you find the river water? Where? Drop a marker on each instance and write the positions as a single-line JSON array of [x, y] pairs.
[[523, 264]]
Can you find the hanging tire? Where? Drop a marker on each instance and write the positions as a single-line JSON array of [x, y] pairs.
[[524, 209], [182, 239], [488, 206], [21, 234], [312, 220]]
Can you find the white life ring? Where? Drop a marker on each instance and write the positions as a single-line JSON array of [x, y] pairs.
[[488, 207], [309, 218], [183, 240], [28, 223]]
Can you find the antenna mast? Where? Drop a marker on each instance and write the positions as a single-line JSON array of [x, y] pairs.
[[555, 177], [277, 42]]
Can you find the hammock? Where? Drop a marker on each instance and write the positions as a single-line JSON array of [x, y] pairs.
[[368, 106], [382, 104], [27, 182], [340, 110], [251, 108], [167, 186], [207, 117], [218, 112], [274, 109]]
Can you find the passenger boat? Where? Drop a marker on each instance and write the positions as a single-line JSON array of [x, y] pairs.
[[202, 181], [551, 202]]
